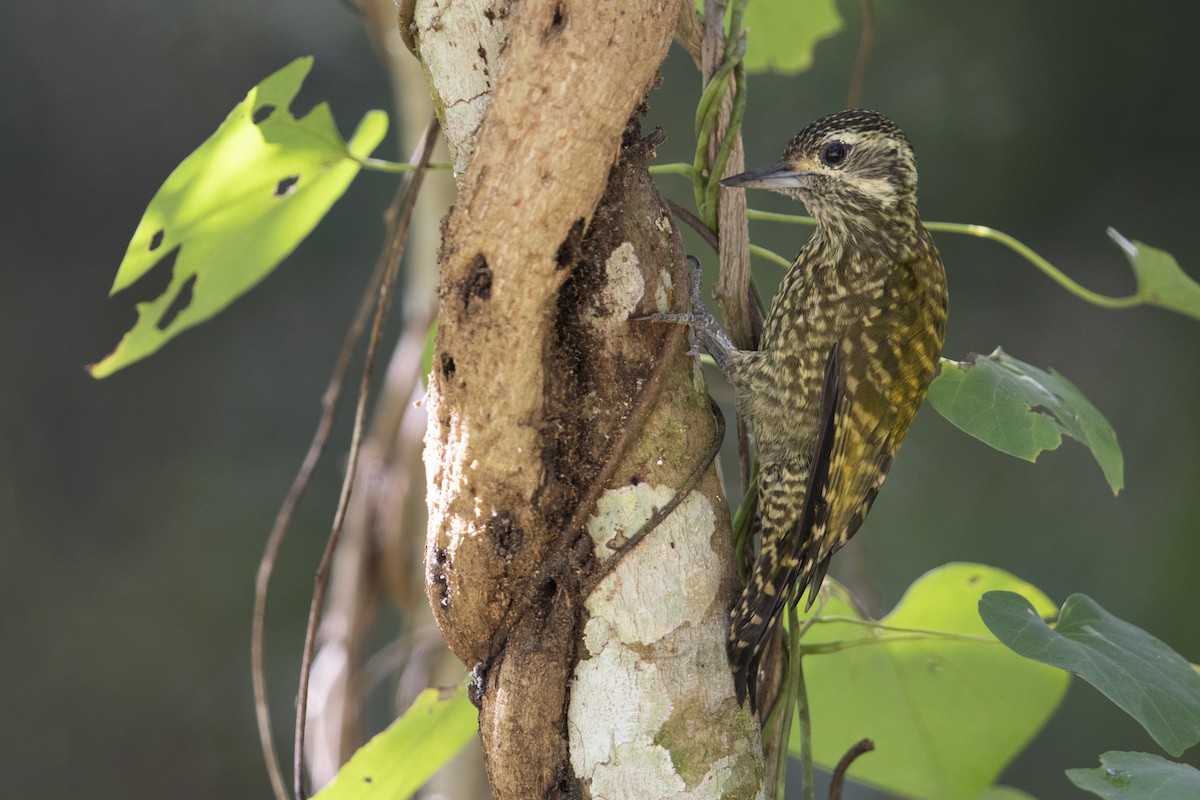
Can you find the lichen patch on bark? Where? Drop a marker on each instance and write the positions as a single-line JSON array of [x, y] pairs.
[[623, 288], [649, 685], [648, 576], [611, 731]]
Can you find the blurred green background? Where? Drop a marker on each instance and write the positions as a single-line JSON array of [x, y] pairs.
[[133, 510]]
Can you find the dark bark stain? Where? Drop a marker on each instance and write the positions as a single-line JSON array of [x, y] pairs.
[[558, 22], [437, 577], [570, 251], [507, 536], [478, 283]]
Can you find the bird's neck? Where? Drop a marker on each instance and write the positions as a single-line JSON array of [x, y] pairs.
[[892, 235]]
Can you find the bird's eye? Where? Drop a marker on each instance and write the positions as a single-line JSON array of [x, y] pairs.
[[834, 153]]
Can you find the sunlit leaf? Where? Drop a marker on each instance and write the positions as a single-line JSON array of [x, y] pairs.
[[236, 207], [397, 762], [1022, 410], [1146, 678], [782, 34], [1138, 776], [1160, 281], [946, 705]]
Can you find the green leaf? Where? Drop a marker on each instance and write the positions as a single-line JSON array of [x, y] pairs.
[[236, 207], [945, 704], [782, 34], [397, 762], [1146, 678], [1160, 281], [1137, 776], [1022, 410]]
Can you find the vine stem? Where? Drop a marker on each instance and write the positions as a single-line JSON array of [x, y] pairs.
[[1057, 275], [984, 232], [839, 772], [803, 713], [330, 402], [963, 228], [866, 623], [283, 521], [398, 167], [770, 255], [837, 646], [397, 239], [863, 60], [674, 168]]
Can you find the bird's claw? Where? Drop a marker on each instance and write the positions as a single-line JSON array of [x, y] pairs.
[[706, 333], [695, 277], [684, 318], [699, 315]]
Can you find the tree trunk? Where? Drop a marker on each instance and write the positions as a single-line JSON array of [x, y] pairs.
[[557, 426]]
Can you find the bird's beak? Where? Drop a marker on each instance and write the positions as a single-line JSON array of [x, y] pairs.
[[780, 175]]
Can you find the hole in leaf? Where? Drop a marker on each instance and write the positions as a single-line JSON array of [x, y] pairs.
[[262, 113], [285, 186], [155, 280], [156, 240], [178, 305]]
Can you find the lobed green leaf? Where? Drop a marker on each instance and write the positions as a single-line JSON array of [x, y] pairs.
[[236, 207], [1137, 776], [1160, 281], [946, 705], [397, 762], [1022, 410], [1146, 678]]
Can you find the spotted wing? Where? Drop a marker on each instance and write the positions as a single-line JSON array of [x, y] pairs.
[[872, 388]]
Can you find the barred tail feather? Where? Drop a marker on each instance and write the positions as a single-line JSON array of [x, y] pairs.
[[753, 620]]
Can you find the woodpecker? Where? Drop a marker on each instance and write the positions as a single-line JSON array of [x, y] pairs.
[[848, 350]]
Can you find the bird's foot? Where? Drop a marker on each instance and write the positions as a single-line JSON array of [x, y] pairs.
[[699, 316], [682, 318], [706, 331]]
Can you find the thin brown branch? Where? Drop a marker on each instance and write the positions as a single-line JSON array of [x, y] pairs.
[[839, 772], [633, 423], [862, 61], [283, 521], [694, 222], [733, 288], [661, 514], [397, 236]]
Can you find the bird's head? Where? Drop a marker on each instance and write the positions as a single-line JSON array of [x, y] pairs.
[[846, 166]]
